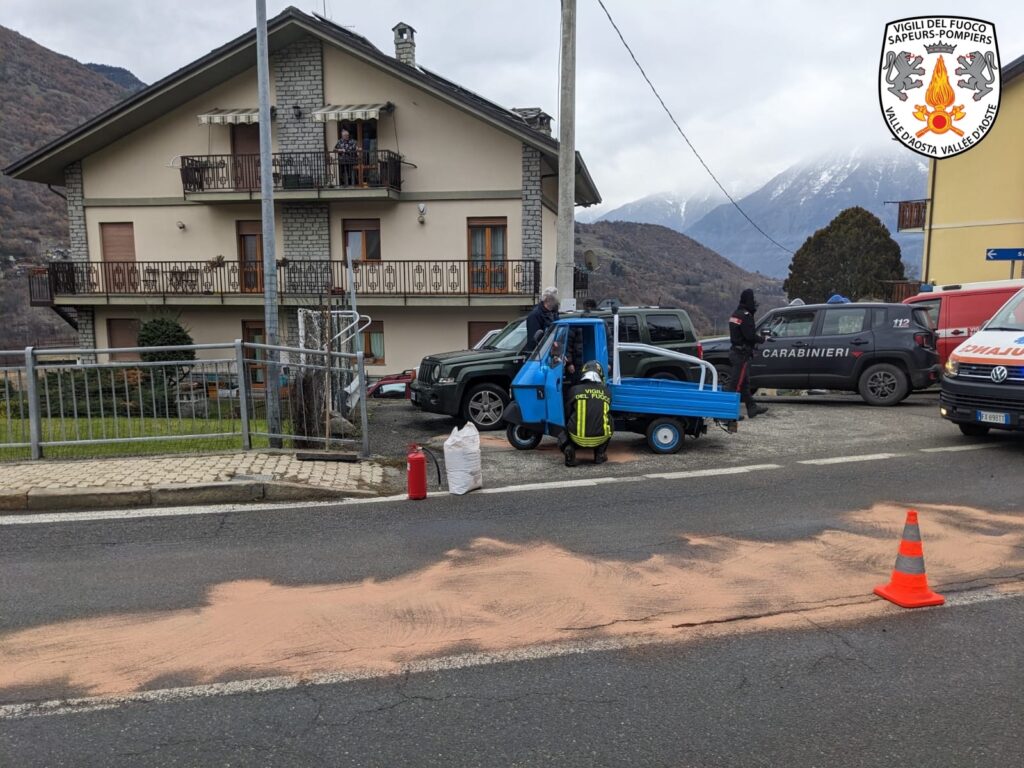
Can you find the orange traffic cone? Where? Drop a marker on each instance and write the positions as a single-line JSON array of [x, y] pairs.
[[909, 585]]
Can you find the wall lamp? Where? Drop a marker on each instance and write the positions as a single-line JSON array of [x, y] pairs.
[[297, 111], [422, 208], [179, 224]]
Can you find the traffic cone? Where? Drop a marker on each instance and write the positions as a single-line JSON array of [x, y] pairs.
[[908, 587]]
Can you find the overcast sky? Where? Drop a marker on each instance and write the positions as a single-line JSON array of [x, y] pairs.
[[757, 85]]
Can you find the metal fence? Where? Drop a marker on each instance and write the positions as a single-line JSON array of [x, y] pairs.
[[70, 402]]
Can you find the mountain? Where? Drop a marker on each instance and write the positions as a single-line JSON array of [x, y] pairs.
[[44, 95], [118, 75], [668, 209], [652, 264]]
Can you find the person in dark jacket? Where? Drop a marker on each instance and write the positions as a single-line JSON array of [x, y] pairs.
[[588, 423], [540, 318], [744, 340]]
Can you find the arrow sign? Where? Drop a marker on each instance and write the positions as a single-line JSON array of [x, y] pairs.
[[1004, 254]]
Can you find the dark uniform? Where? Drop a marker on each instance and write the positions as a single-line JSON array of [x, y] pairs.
[[744, 339], [589, 423], [539, 319]]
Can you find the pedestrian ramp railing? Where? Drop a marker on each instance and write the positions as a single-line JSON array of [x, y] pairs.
[[75, 402]]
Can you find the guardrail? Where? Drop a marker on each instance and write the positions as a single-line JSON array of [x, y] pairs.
[[377, 169]]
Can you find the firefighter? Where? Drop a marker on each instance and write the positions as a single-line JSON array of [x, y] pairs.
[[588, 423], [744, 340]]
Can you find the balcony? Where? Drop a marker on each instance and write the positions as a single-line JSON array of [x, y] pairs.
[[200, 282], [300, 175], [912, 215]]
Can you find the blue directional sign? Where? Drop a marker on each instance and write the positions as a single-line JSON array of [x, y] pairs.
[[1004, 254]]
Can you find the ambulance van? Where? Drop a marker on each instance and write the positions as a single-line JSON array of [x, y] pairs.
[[983, 385]]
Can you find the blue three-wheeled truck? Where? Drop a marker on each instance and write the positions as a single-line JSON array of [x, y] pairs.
[[663, 410]]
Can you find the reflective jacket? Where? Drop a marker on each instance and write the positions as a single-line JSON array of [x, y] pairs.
[[589, 424]]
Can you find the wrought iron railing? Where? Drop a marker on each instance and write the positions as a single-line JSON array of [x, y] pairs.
[[912, 215], [379, 169], [425, 277]]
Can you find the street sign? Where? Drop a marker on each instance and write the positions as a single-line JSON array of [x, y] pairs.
[[1004, 254]]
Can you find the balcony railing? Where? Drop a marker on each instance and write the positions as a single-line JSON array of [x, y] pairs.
[[912, 215], [295, 278], [380, 169]]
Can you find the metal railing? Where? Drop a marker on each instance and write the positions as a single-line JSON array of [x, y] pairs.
[[169, 398], [377, 169], [426, 277]]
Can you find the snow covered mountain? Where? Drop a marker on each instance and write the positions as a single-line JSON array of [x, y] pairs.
[[793, 205]]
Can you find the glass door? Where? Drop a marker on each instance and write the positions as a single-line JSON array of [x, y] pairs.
[[487, 256], [250, 256]]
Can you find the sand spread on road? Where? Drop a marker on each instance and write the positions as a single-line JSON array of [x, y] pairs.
[[493, 596]]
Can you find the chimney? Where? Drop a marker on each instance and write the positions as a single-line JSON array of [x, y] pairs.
[[536, 118], [405, 43]]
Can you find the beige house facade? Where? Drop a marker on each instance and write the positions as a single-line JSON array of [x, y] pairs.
[[442, 202]]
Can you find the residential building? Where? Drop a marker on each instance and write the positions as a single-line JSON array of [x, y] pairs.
[[443, 202], [975, 199]]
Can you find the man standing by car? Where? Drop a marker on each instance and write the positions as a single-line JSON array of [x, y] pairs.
[[744, 340], [540, 318]]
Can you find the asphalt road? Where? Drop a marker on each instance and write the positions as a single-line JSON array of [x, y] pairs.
[[934, 687]]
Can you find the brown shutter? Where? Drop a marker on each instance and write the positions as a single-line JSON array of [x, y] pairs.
[[123, 333], [118, 241]]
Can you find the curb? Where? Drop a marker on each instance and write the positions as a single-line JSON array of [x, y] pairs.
[[75, 499]]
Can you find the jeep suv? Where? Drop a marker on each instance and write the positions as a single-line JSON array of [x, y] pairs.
[[882, 351], [474, 385]]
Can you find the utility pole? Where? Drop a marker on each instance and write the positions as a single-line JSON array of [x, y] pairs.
[[272, 384], [566, 234]]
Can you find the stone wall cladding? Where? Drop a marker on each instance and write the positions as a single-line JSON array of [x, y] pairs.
[[299, 80], [307, 231], [533, 223], [77, 239], [86, 331]]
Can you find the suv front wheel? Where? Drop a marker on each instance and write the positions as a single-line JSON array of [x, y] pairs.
[[484, 405], [883, 384]]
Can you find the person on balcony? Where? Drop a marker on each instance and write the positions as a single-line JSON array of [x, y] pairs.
[[348, 153]]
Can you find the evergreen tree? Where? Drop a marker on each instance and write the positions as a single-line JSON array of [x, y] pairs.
[[165, 332], [851, 256]]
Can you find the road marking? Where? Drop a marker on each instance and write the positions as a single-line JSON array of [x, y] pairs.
[[951, 448], [57, 707], [712, 472], [851, 459]]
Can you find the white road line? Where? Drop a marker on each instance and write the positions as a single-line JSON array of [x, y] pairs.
[[851, 459], [439, 664], [951, 448], [711, 472]]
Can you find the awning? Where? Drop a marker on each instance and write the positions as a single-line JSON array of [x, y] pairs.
[[349, 112], [230, 116]]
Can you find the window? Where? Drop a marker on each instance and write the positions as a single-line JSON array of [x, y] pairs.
[[487, 255], [479, 328], [629, 329], [932, 306], [512, 338], [117, 241], [252, 333], [792, 324], [123, 332], [373, 343], [250, 255], [362, 239], [843, 322], [664, 328]]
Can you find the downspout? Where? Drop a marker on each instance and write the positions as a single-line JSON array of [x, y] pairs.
[[61, 195], [931, 215]]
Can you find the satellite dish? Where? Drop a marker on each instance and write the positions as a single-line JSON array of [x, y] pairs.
[[590, 260]]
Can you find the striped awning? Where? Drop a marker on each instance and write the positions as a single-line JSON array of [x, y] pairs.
[[350, 112], [230, 116]]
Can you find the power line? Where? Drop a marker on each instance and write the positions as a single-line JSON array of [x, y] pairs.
[[683, 134]]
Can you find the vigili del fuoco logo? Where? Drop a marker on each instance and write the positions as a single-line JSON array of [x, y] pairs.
[[924, 104]]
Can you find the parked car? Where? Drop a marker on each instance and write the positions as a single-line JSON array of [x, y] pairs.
[[392, 386], [474, 385], [882, 351], [983, 387], [486, 338], [959, 311]]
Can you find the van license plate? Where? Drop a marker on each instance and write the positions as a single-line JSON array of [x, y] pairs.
[[987, 417], [414, 397]]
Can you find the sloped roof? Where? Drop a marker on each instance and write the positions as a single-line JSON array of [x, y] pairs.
[[47, 163]]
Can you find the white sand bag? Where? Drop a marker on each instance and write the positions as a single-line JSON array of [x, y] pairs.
[[462, 460]]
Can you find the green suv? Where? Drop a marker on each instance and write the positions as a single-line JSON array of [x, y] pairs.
[[473, 385]]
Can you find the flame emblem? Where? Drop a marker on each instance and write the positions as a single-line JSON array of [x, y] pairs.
[[940, 97]]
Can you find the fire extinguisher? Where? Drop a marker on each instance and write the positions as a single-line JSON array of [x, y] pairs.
[[416, 472]]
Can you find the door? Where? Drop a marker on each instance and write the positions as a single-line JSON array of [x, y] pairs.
[[629, 332], [245, 156], [117, 249], [842, 337], [253, 333], [250, 256], [487, 256], [946, 339], [552, 360], [121, 333], [782, 360]]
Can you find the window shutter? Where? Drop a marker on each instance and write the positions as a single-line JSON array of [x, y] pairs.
[[118, 241]]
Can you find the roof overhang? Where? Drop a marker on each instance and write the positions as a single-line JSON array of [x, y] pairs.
[[230, 116]]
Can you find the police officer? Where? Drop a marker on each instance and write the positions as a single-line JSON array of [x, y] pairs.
[[744, 339], [589, 423]]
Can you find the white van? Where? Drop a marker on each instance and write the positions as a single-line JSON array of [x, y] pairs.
[[983, 385]]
